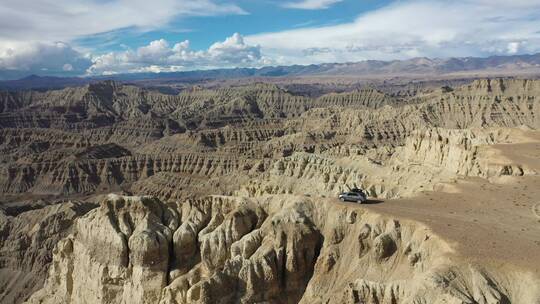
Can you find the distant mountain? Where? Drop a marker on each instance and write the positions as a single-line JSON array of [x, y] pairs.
[[437, 66], [496, 65], [43, 82]]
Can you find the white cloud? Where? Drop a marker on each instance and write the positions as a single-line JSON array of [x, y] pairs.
[[27, 28], [405, 29], [64, 20], [513, 47], [36, 58], [160, 56], [67, 67], [235, 51], [311, 4]]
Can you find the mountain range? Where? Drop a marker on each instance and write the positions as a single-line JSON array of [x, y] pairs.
[[413, 68]]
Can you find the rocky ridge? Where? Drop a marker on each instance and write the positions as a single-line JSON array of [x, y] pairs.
[[28, 235], [279, 250], [148, 137], [276, 236]]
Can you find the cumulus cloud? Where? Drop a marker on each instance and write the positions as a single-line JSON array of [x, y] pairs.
[[405, 29], [42, 58], [27, 28], [160, 56], [513, 47], [65, 20], [311, 4]]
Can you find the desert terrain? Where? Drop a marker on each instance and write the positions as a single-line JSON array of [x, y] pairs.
[[226, 192]]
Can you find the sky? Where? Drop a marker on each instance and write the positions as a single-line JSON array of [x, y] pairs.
[[104, 37]]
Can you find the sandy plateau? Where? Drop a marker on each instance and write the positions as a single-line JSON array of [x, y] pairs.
[[116, 194], [493, 222]]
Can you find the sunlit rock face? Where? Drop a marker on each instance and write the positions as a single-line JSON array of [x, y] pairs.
[[284, 249]]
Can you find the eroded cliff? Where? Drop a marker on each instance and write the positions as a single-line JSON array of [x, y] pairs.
[[282, 249]]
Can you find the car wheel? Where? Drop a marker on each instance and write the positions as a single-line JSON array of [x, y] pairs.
[[342, 199]]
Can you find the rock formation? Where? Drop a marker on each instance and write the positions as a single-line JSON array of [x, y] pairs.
[[282, 249], [227, 194], [108, 136], [27, 240]]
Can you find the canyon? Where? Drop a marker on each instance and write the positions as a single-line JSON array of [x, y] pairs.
[[115, 193]]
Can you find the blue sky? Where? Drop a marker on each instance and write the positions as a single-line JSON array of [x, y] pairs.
[[262, 16], [95, 37]]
